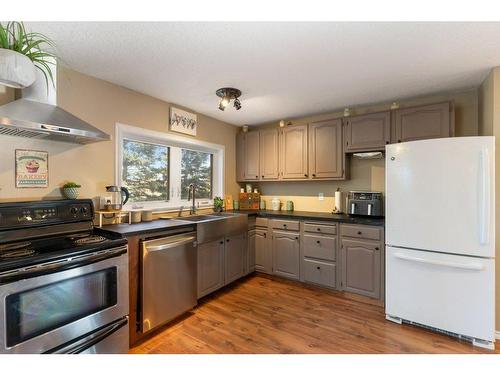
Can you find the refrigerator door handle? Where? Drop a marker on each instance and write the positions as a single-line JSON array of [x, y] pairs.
[[468, 266], [484, 197]]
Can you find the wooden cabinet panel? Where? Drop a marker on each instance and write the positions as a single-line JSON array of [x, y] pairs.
[[269, 154], [210, 267], [320, 273], [263, 253], [320, 228], [240, 157], [326, 154], [424, 122], [235, 250], [320, 247], [361, 267], [293, 152], [369, 132], [285, 224], [251, 251], [252, 155], [286, 254], [361, 231]]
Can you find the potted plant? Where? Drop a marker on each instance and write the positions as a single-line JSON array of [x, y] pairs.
[[218, 204], [20, 53], [71, 190]]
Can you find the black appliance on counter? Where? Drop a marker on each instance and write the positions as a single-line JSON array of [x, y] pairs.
[[63, 284], [366, 203]]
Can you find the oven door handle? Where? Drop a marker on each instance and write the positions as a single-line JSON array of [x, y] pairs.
[[60, 265], [79, 346]]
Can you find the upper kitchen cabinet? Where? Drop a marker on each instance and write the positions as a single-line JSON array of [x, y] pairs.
[[293, 153], [269, 151], [369, 132], [424, 122], [252, 155], [326, 154], [240, 156]]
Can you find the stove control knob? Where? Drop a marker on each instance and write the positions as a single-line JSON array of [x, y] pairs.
[[73, 210], [84, 210]]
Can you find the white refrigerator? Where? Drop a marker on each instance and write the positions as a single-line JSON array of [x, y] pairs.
[[440, 236]]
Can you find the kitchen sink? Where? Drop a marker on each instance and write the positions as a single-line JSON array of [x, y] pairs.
[[200, 218], [217, 225]]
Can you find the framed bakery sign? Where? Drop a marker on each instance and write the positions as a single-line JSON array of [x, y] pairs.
[[32, 169]]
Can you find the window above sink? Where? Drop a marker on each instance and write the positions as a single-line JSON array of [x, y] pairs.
[[157, 168]]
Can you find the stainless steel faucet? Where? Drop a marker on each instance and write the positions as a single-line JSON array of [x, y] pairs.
[[192, 192]]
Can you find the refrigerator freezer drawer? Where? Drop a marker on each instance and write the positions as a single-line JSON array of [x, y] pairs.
[[449, 292]]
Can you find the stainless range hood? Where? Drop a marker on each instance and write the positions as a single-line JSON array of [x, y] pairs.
[[36, 115]]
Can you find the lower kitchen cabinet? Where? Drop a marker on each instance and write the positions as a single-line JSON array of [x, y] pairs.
[[286, 254], [361, 267], [251, 251], [263, 253], [319, 272], [210, 267], [235, 251]]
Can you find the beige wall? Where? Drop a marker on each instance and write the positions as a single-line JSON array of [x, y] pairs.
[[489, 114], [103, 105], [366, 174]]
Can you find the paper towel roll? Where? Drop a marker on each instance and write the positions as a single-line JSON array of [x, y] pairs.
[[338, 204]]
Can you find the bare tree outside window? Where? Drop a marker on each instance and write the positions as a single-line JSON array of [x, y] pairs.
[[196, 168], [145, 171]]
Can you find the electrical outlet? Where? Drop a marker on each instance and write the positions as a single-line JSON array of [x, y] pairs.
[[321, 196]]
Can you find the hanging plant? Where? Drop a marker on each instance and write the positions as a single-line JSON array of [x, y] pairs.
[[13, 36]]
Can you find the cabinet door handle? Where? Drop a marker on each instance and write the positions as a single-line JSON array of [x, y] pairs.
[[305, 174], [256, 176], [227, 240], [222, 242], [265, 235], [314, 175], [318, 229], [318, 267], [360, 233], [318, 242], [296, 238], [376, 248]]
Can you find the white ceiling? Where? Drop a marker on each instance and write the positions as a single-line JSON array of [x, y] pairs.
[[284, 70]]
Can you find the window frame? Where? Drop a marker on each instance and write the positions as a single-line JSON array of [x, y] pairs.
[[175, 143]]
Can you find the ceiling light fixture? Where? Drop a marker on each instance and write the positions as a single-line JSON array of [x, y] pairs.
[[227, 94]]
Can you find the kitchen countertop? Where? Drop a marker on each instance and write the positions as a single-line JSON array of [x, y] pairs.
[[343, 218], [146, 227], [125, 230]]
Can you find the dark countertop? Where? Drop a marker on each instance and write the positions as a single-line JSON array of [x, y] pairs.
[[125, 230], [342, 218], [145, 227]]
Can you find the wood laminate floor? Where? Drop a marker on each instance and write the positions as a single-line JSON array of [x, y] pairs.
[[262, 314]]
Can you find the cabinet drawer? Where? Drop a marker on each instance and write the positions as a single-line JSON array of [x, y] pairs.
[[320, 228], [321, 247], [285, 224], [261, 222], [361, 231], [319, 273]]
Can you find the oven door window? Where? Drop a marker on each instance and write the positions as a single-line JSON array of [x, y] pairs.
[[30, 313]]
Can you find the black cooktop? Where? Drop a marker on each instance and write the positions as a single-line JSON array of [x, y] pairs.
[[33, 251]]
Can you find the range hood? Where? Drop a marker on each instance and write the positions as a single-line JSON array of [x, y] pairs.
[[36, 115]]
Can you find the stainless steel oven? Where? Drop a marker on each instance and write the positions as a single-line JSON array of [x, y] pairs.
[[77, 304]]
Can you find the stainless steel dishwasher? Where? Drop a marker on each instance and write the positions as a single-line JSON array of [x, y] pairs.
[[169, 278]]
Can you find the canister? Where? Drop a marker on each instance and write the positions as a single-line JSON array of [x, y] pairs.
[[276, 204], [289, 205]]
